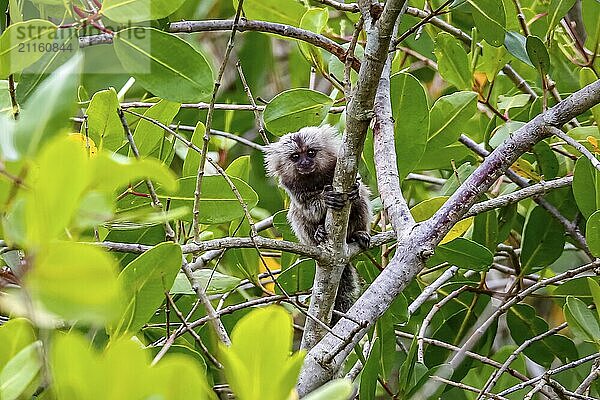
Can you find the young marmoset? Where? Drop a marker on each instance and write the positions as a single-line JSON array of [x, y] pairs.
[[304, 162]]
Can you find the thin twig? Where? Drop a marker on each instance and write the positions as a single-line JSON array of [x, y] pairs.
[[209, 117], [155, 200], [258, 118]]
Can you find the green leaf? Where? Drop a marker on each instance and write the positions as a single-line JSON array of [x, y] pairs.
[[297, 278], [23, 43], [592, 233], [149, 138], [104, 124], [586, 77], [581, 320], [288, 12], [557, 10], [294, 109], [492, 60], [46, 114], [523, 324], [15, 335], [145, 281], [411, 114], [595, 291], [76, 281], [336, 389], [591, 22], [164, 64], [371, 371], [62, 164], [538, 54], [240, 168], [314, 20], [503, 132], [64, 46], [485, 230], [448, 118], [453, 63], [270, 372], [543, 241], [490, 19], [79, 371], [427, 208], [20, 372], [217, 203], [515, 44], [214, 282], [466, 254], [586, 187], [192, 159], [128, 11], [112, 173]]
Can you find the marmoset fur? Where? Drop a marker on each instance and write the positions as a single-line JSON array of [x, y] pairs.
[[304, 162]]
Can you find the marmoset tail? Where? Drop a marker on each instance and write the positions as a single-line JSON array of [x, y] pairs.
[[304, 162]]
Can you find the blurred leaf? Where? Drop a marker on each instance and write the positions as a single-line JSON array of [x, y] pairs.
[[20, 372], [270, 372], [64, 44], [111, 173], [164, 64], [217, 204], [23, 43], [129, 11], [453, 62], [294, 109], [62, 164], [145, 281], [15, 335], [410, 109], [46, 114], [76, 281], [214, 282], [543, 241]]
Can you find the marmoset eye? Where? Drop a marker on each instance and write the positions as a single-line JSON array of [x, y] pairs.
[[295, 157], [311, 153]]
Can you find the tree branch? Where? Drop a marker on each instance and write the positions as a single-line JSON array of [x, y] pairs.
[[358, 116], [244, 25], [328, 355]]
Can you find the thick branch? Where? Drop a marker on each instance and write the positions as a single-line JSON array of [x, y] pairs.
[[358, 116], [388, 180]]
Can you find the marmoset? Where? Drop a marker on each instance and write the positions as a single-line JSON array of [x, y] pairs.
[[304, 162]]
